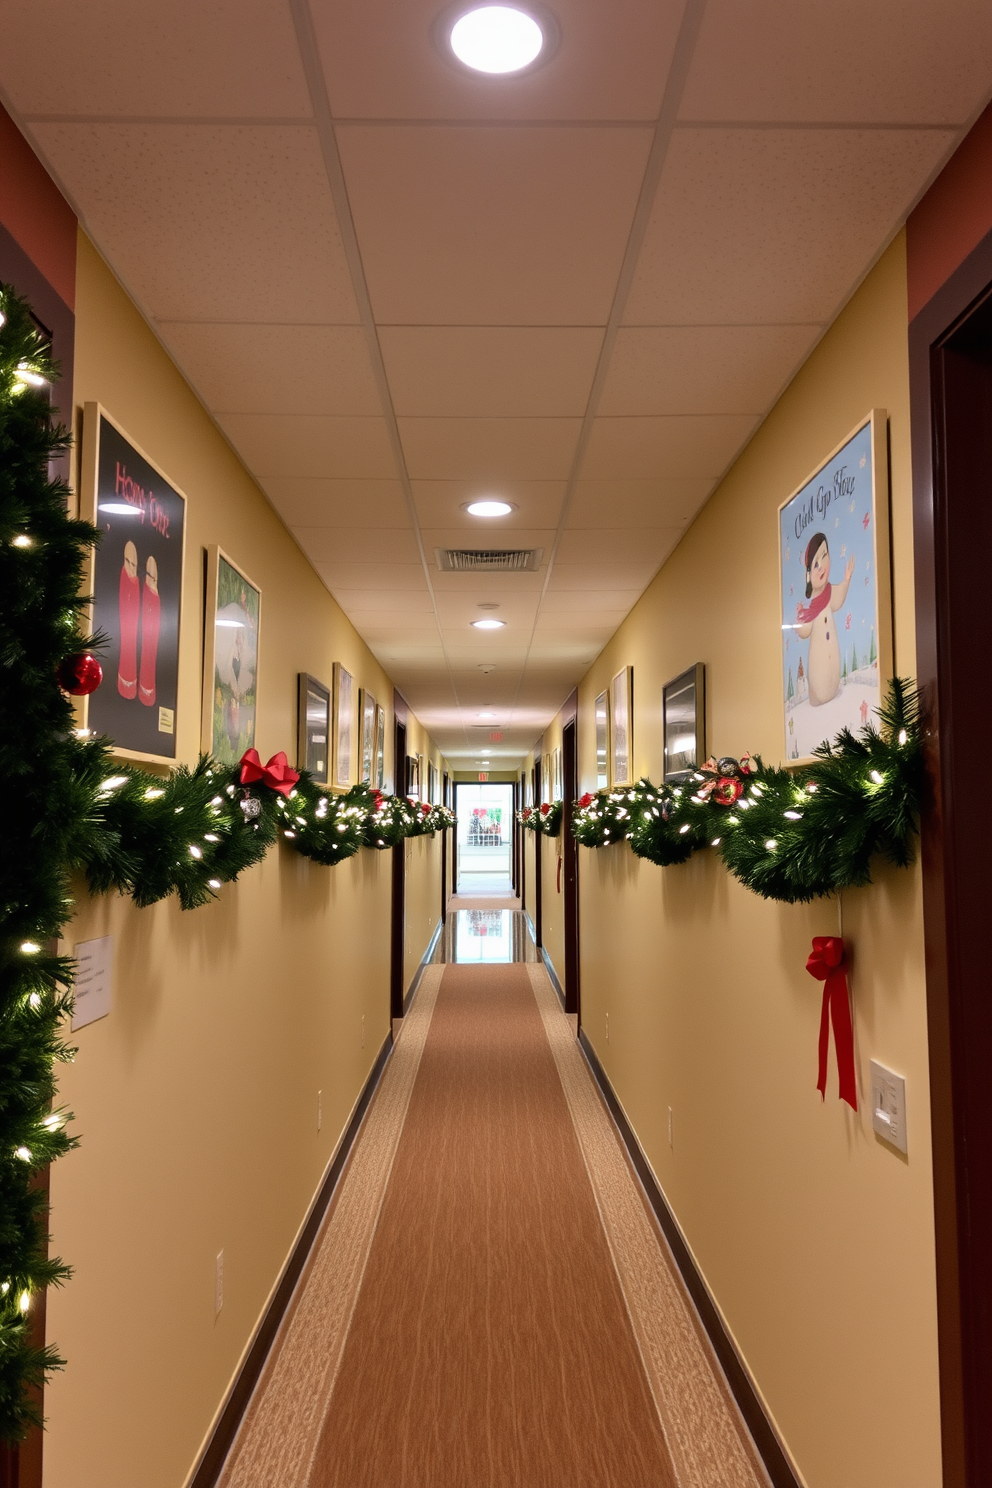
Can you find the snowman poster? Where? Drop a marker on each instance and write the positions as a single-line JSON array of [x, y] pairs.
[[834, 567]]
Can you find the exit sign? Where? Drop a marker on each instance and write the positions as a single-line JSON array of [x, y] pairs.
[[483, 774], [497, 737]]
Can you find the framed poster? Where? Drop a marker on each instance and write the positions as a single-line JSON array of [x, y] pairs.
[[367, 709], [602, 741], [683, 714], [230, 660], [833, 535], [380, 747], [413, 775], [314, 728], [556, 785], [432, 782], [621, 713], [136, 579], [344, 724]]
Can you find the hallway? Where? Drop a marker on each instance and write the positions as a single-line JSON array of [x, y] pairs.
[[488, 1301]]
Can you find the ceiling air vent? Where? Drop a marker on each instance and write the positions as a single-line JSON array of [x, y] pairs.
[[488, 560]]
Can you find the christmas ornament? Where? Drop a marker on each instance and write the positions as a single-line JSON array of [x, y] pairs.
[[79, 675], [251, 806], [826, 962], [727, 790]]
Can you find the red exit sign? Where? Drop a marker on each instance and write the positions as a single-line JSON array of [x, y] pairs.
[[483, 774], [497, 737]]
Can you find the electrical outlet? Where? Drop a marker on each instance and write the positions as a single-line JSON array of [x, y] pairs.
[[671, 1129], [607, 1028], [219, 1283], [320, 1109]]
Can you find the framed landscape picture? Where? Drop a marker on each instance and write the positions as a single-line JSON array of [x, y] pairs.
[[836, 637], [367, 710], [683, 713], [380, 747], [136, 579], [344, 725], [314, 728], [621, 715], [230, 659]]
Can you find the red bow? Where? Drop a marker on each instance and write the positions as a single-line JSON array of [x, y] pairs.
[[826, 963], [586, 800], [278, 774]]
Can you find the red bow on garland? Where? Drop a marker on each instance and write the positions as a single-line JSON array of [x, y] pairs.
[[278, 774], [826, 963]]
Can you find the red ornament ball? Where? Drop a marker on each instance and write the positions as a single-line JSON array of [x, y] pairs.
[[79, 675], [727, 790]]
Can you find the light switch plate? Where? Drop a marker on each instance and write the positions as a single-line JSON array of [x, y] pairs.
[[888, 1105]]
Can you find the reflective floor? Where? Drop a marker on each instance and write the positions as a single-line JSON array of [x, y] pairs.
[[485, 935]]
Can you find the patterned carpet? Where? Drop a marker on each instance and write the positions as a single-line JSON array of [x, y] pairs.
[[489, 1303]]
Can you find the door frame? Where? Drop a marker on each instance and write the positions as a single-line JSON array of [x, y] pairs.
[[959, 1022], [570, 860], [397, 943]]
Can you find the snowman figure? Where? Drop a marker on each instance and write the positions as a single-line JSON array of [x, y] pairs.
[[817, 623]]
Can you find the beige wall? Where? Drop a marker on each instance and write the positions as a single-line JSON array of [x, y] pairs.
[[815, 1238], [197, 1098]]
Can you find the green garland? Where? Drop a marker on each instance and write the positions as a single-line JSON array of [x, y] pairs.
[[72, 807], [790, 835], [545, 818]]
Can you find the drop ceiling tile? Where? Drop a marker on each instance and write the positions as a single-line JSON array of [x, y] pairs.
[[315, 501], [381, 61], [355, 545], [484, 586], [490, 371], [209, 222], [281, 445], [703, 369], [608, 602], [442, 503], [746, 225], [616, 545], [209, 58], [390, 578], [900, 61], [589, 578], [486, 449], [638, 503], [276, 369], [646, 448], [492, 226], [373, 606]]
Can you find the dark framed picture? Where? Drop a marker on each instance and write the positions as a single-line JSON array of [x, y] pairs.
[[314, 728], [230, 659], [683, 710], [136, 580], [413, 775], [367, 710]]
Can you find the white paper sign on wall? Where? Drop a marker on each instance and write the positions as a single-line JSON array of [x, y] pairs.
[[94, 970]]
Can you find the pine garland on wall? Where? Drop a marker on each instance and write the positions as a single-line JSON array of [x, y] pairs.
[[790, 835], [72, 807]]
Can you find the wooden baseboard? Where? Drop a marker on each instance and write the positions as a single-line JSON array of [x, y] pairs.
[[549, 968], [215, 1453], [766, 1438], [425, 961]]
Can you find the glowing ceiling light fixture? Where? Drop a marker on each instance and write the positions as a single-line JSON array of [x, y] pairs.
[[489, 508], [496, 39], [488, 624]]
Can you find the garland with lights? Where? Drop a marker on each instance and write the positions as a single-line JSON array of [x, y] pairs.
[[790, 835], [545, 818], [73, 808]]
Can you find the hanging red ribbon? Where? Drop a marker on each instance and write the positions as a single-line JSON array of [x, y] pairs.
[[826, 963], [278, 774]]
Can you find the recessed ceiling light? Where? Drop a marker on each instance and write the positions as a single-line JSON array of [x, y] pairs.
[[488, 508], [496, 39], [487, 715], [488, 624]]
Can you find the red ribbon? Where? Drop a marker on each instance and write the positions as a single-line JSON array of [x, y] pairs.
[[278, 774], [826, 963]]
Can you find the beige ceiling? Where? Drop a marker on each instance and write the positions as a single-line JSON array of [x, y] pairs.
[[580, 289]]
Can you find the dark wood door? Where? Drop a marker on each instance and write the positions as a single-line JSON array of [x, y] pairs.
[[570, 866], [951, 366]]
